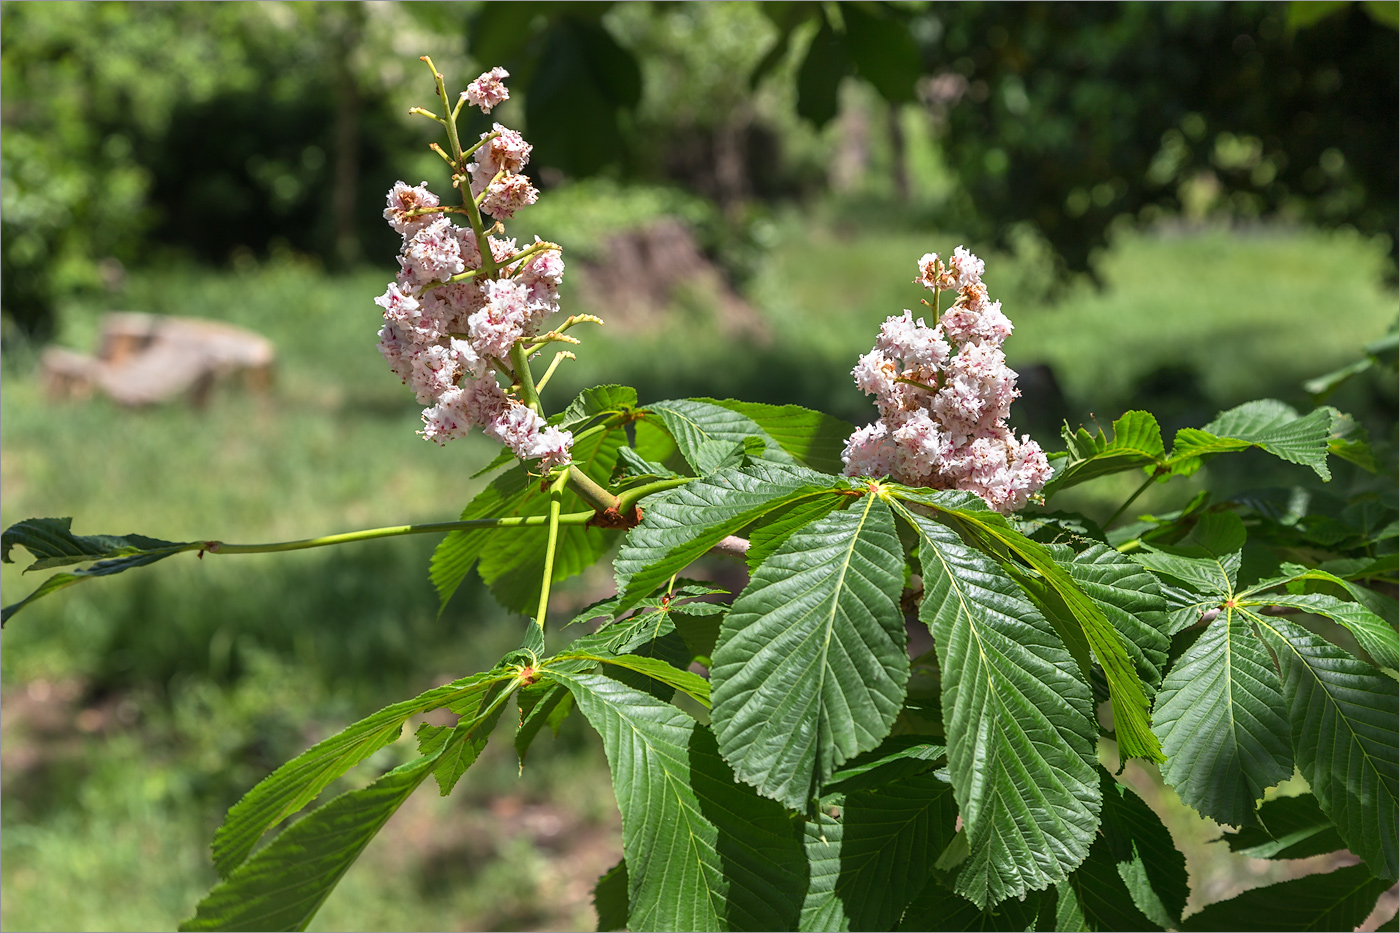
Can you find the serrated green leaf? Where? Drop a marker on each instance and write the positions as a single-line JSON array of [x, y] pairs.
[[703, 852], [283, 885], [1147, 859], [1337, 900], [1096, 896], [1372, 633], [1350, 441], [299, 781], [1207, 560], [897, 757], [1222, 720], [540, 705], [811, 662], [706, 432], [1267, 424], [1136, 444], [1132, 602], [1019, 722], [1344, 724], [682, 524], [876, 858], [513, 563], [610, 898], [633, 466], [769, 535], [457, 747], [596, 401], [938, 907], [991, 530], [813, 438], [1290, 827], [53, 544], [692, 685]]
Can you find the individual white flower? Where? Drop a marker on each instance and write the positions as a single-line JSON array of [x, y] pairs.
[[402, 199], [487, 91]]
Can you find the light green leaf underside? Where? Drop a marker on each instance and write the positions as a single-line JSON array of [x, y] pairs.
[[299, 781], [702, 851], [682, 524], [811, 663], [879, 854], [594, 402], [1222, 721], [1337, 900], [1344, 718], [1019, 723]]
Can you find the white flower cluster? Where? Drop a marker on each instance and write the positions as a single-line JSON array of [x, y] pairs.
[[447, 340], [944, 393]]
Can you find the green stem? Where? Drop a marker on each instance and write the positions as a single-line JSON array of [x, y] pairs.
[[556, 496], [599, 498], [521, 363], [630, 497], [1131, 499], [515, 521]]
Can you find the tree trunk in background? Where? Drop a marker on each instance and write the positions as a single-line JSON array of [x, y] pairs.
[[347, 134], [731, 162]]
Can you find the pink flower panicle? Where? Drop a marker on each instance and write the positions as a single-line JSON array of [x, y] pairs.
[[944, 393], [446, 339]]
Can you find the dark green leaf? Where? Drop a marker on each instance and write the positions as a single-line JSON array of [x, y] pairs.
[[1344, 718], [1130, 599], [899, 756], [938, 907], [1019, 722], [610, 898], [1372, 632], [1097, 898], [814, 439], [820, 75], [1222, 721], [811, 662], [1337, 900], [884, 52], [1267, 424], [540, 705], [1290, 827], [703, 851], [1147, 859], [871, 863]]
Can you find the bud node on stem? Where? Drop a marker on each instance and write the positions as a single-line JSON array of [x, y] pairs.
[[612, 518]]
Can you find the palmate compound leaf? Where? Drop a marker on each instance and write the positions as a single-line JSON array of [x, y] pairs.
[[682, 524], [1223, 723], [703, 851], [283, 885], [811, 663], [1019, 722], [1343, 714], [865, 868], [512, 561], [1267, 424], [1337, 900], [299, 781]]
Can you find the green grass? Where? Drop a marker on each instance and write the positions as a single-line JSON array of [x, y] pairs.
[[188, 681]]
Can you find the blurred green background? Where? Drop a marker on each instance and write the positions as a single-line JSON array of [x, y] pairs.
[[1182, 207]]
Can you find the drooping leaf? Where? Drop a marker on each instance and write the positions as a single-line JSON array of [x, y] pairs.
[[283, 885], [541, 705], [1337, 900], [939, 907], [1132, 602], [299, 781], [53, 544], [512, 560], [706, 432], [610, 898], [1290, 827], [1222, 720], [1019, 723], [811, 662], [1136, 445], [871, 863], [455, 749], [1343, 714], [898, 757], [1147, 859], [703, 852], [1267, 424], [995, 534], [683, 523], [813, 438]]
